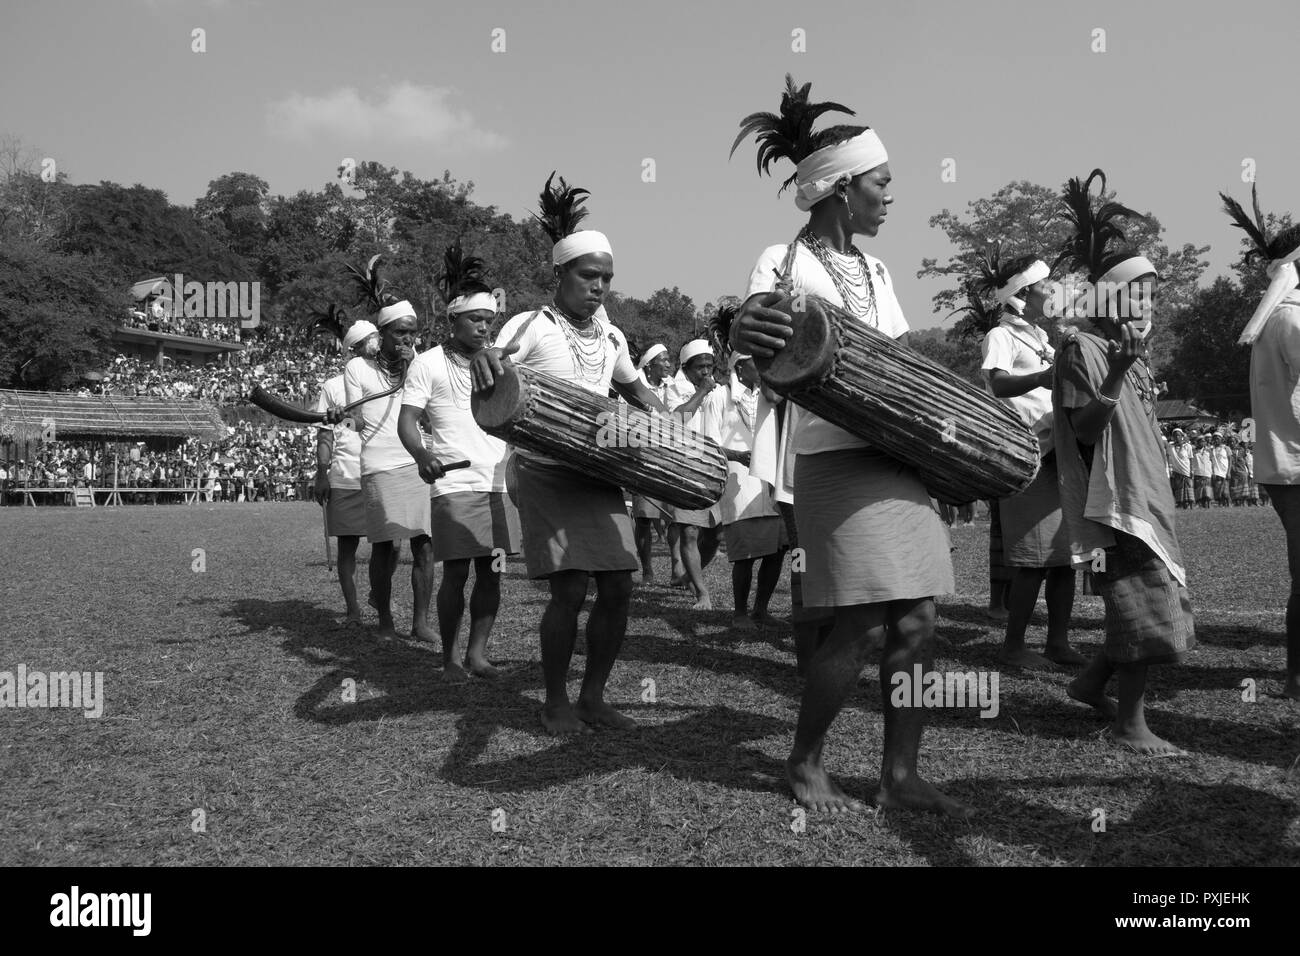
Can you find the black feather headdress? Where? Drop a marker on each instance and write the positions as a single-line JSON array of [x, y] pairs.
[[561, 207], [1097, 242], [718, 330], [371, 289], [332, 319], [984, 316], [460, 275], [1256, 230], [789, 134]]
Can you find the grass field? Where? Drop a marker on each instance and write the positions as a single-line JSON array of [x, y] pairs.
[[224, 695]]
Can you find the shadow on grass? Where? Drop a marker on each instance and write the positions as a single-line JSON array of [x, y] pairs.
[[1219, 824]]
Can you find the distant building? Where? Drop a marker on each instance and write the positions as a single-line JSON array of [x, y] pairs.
[[1177, 411], [153, 331]]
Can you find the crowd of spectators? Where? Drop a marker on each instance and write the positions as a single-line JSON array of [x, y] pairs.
[[1213, 466], [223, 330]]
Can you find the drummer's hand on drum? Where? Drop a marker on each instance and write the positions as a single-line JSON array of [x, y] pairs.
[[761, 331], [739, 456], [487, 365], [321, 489], [1047, 377]]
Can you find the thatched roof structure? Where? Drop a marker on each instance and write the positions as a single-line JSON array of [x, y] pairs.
[[70, 416]]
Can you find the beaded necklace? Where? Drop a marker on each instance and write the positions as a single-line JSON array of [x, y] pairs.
[[458, 376], [584, 344], [847, 282]]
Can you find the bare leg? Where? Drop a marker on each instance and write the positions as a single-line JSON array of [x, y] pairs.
[[423, 571], [347, 568], [1090, 686], [832, 674], [451, 607], [1060, 605], [679, 578], [1025, 583], [484, 601], [742, 575], [909, 640], [381, 586], [559, 634], [769, 573], [1130, 727], [708, 541], [644, 532], [694, 570], [606, 626]]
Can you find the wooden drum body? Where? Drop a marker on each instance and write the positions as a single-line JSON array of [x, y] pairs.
[[644, 453], [964, 444]]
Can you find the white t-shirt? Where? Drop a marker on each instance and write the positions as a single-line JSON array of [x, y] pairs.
[[345, 463], [381, 449], [1275, 395], [454, 433], [812, 434], [1017, 346], [545, 347], [745, 495]]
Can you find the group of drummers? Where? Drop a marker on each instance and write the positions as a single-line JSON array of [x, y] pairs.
[[873, 549]]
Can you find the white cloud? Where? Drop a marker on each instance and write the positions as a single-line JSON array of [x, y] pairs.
[[403, 113]]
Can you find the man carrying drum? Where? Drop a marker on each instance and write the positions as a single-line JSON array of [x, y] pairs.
[[875, 548], [574, 527]]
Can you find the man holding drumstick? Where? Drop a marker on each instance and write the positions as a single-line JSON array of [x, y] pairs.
[[575, 527]]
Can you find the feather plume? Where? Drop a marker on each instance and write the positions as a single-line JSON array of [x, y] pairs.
[[371, 289], [787, 135], [561, 207], [1096, 230], [983, 315], [333, 319], [1256, 230], [718, 330], [461, 274]]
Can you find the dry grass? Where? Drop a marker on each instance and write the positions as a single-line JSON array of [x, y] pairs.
[[224, 693]]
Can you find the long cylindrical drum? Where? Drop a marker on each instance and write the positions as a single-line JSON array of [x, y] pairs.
[[964, 444], [649, 454]]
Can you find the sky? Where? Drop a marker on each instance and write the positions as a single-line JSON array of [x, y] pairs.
[[1182, 95]]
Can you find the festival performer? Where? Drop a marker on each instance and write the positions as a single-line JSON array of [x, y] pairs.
[[694, 397], [1180, 469], [1018, 369], [1219, 461], [472, 518], [875, 548], [397, 499], [574, 527], [1202, 468], [1115, 493], [654, 370], [338, 469], [1273, 334]]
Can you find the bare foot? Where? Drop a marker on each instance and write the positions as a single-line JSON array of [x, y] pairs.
[[914, 793], [1065, 656], [1027, 659], [602, 715], [1144, 742], [562, 721], [742, 622], [814, 788], [453, 673], [483, 669], [423, 633], [702, 604], [996, 614], [1094, 698], [681, 582], [647, 580], [386, 630]]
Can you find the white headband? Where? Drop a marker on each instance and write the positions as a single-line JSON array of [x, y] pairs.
[[581, 243], [472, 303], [1122, 273], [391, 313], [693, 348], [651, 354], [359, 332], [817, 174], [1284, 279], [1006, 293]]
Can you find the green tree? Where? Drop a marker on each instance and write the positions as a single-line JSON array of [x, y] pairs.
[[235, 209]]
